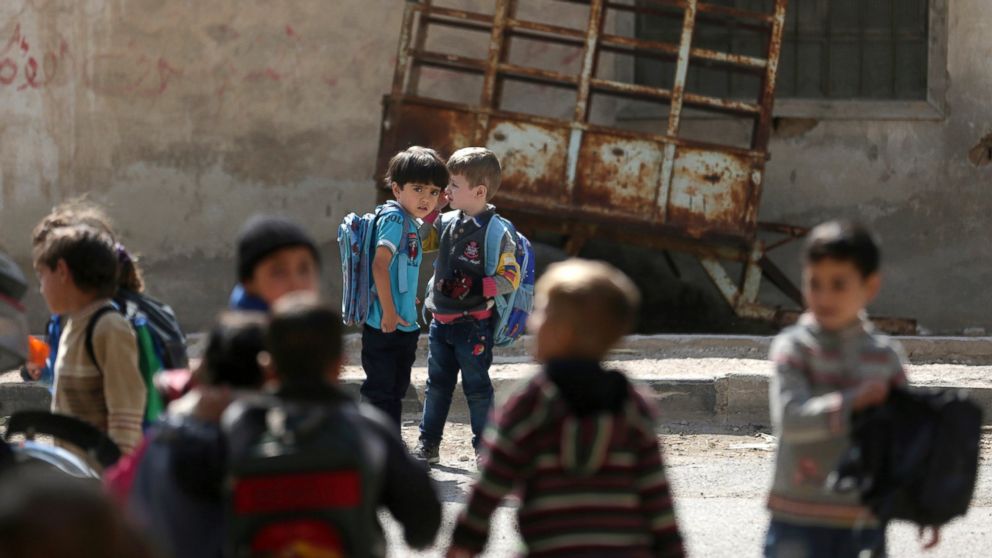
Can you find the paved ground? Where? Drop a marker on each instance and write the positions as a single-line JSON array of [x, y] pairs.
[[720, 482]]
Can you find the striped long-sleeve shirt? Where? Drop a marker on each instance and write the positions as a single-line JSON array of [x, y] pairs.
[[816, 374], [579, 445], [113, 401]]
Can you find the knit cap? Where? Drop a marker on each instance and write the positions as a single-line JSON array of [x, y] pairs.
[[263, 235]]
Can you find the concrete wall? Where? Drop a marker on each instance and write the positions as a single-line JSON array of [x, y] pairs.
[[187, 117]]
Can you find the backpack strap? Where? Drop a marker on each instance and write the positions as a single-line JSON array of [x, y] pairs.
[[91, 328], [404, 247], [495, 230]]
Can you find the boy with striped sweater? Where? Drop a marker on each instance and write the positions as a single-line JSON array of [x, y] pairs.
[[577, 441], [828, 366]]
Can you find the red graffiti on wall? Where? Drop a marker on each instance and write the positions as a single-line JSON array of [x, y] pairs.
[[17, 60]]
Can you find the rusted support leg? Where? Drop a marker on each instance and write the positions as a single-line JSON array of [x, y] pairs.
[[741, 306]]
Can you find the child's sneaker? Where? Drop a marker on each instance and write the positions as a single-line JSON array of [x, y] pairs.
[[428, 453]]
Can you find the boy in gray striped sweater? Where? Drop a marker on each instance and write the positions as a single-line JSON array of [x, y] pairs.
[[829, 365], [577, 440]]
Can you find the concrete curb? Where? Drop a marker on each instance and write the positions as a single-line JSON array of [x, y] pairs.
[[920, 350], [15, 397], [728, 401]]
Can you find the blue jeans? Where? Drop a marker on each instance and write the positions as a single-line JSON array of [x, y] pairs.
[[466, 346], [787, 540]]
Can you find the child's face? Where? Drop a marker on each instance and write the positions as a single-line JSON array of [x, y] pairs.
[[465, 196], [56, 286], [285, 271], [836, 292], [417, 199]]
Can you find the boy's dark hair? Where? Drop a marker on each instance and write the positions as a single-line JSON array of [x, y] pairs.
[[421, 165], [844, 241], [304, 338], [480, 166], [84, 212], [263, 235], [233, 346], [89, 253]]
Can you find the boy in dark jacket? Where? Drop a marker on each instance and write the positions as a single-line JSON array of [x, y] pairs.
[[576, 440], [460, 296]]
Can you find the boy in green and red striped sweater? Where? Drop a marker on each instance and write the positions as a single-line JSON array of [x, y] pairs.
[[577, 441]]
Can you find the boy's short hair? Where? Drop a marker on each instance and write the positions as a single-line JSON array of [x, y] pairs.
[[81, 211], [844, 241], [89, 253], [304, 338], [263, 235], [233, 346], [599, 300], [480, 166], [420, 165]]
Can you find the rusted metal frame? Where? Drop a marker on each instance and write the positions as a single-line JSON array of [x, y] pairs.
[[675, 112], [403, 50], [755, 156], [792, 233], [655, 237], [763, 125], [450, 61], [751, 274], [580, 116], [471, 25], [419, 42], [702, 8], [780, 280], [691, 99], [737, 61], [537, 75], [732, 294], [753, 20], [577, 37], [496, 48]]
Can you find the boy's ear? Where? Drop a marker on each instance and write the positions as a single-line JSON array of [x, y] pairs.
[[62, 270], [396, 189], [874, 284], [482, 191]]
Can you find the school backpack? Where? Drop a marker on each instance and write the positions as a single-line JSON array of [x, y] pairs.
[[150, 360], [513, 309], [302, 479], [356, 241], [170, 341], [915, 457]]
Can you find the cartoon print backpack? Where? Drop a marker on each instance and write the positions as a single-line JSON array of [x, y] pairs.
[[356, 238], [513, 309]]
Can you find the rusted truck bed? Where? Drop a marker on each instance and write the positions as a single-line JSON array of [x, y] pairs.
[[580, 179]]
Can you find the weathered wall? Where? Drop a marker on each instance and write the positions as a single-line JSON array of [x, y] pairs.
[[187, 117]]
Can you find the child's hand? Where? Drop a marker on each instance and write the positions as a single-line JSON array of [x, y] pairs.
[[442, 201], [33, 370], [455, 552], [390, 321], [934, 537], [869, 393]]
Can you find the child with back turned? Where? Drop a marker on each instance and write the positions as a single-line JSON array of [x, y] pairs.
[[577, 440], [829, 365]]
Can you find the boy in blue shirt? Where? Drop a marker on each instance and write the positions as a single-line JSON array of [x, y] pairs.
[[389, 337]]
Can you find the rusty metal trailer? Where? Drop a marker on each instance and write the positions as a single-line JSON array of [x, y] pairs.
[[580, 179]]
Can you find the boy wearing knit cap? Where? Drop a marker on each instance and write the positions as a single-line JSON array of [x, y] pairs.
[[276, 256]]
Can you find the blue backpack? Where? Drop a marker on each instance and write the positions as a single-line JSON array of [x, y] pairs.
[[513, 309], [356, 236]]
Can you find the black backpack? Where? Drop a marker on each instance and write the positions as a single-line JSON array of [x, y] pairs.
[[302, 476], [914, 458], [162, 323]]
